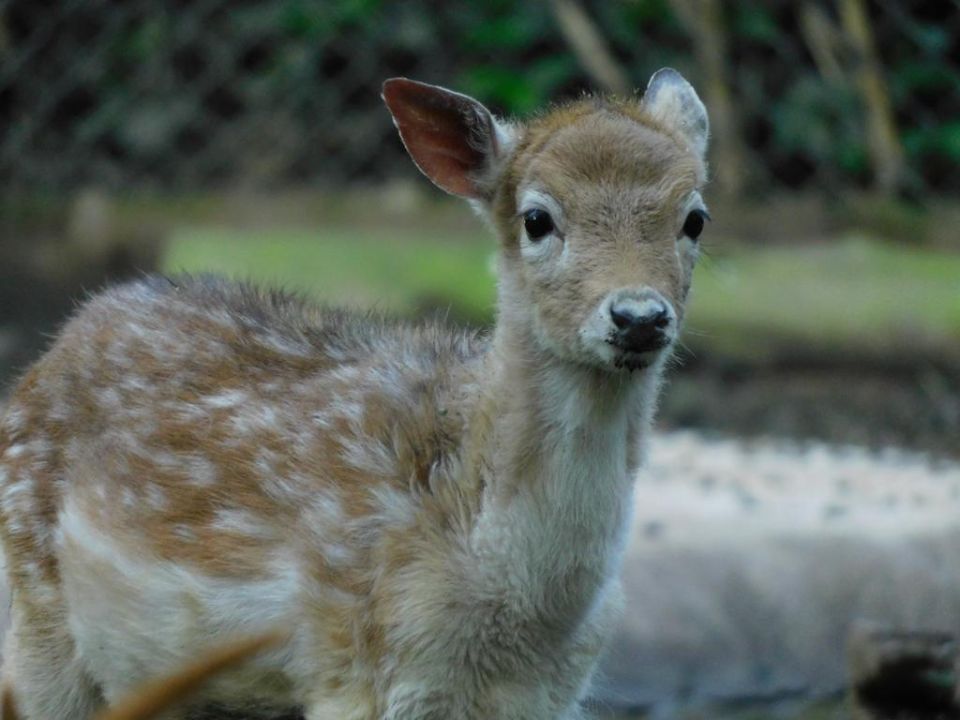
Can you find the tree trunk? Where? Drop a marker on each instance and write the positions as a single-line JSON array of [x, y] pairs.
[[589, 46], [704, 22], [886, 153]]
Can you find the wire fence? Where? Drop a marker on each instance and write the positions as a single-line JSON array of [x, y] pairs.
[[181, 95]]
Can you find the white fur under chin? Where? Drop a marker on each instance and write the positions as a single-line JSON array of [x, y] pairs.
[[573, 509]]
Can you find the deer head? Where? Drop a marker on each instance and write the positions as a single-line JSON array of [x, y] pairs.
[[596, 203]]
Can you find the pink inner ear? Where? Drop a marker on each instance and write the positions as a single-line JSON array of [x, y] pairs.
[[444, 132]]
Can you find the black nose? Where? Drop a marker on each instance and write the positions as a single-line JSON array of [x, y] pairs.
[[640, 332]]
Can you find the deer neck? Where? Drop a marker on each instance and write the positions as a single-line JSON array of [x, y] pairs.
[[558, 444]]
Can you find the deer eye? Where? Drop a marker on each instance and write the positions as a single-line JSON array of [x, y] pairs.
[[537, 223], [693, 225]]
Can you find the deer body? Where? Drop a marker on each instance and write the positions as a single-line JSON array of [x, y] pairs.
[[437, 518]]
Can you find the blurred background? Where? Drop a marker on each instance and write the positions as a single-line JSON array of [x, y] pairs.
[[248, 137]]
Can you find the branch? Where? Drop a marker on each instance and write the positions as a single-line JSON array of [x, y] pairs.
[[704, 22], [821, 37], [588, 44], [884, 143]]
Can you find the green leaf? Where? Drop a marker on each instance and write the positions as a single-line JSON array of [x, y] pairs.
[[502, 86], [504, 33], [914, 76], [754, 22], [940, 140]]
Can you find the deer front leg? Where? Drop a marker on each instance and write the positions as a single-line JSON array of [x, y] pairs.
[[41, 665]]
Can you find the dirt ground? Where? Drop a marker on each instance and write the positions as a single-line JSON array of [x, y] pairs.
[[911, 404]]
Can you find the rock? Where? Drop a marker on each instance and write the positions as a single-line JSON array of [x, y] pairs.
[[898, 674]]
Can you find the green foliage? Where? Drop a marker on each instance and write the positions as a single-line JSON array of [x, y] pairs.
[[400, 272], [942, 140], [297, 80], [854, 296], [921, 76], [755, 22], [819, 121], [516, 93]]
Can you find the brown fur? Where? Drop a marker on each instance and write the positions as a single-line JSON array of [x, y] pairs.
[[437, 513]]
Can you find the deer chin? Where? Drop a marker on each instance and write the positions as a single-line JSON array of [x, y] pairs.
[[633, 361], [608, 358]]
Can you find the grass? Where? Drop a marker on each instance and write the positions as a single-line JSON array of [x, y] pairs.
[[402, 273], [851, 296]]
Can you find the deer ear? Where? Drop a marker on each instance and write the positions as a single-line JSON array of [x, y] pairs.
[[452, 138], [673, 101]]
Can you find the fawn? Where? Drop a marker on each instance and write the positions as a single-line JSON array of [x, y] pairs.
[[437, 517]]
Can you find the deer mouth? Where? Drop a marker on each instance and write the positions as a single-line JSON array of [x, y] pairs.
[[630, 361], [637, 356]]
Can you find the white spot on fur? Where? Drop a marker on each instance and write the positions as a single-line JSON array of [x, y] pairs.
[[156, 498], [18, 497], [202, 472], [369, 456], [136, 384], [284, 345], [128, 498], [253, 418], [345, 374], [110, 399], [226, 399], [326, 508], [339, 555], [324, 515], [15, 451], [350, 411], [243, 523], [184, 532], [33, 569], [14, 420]]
